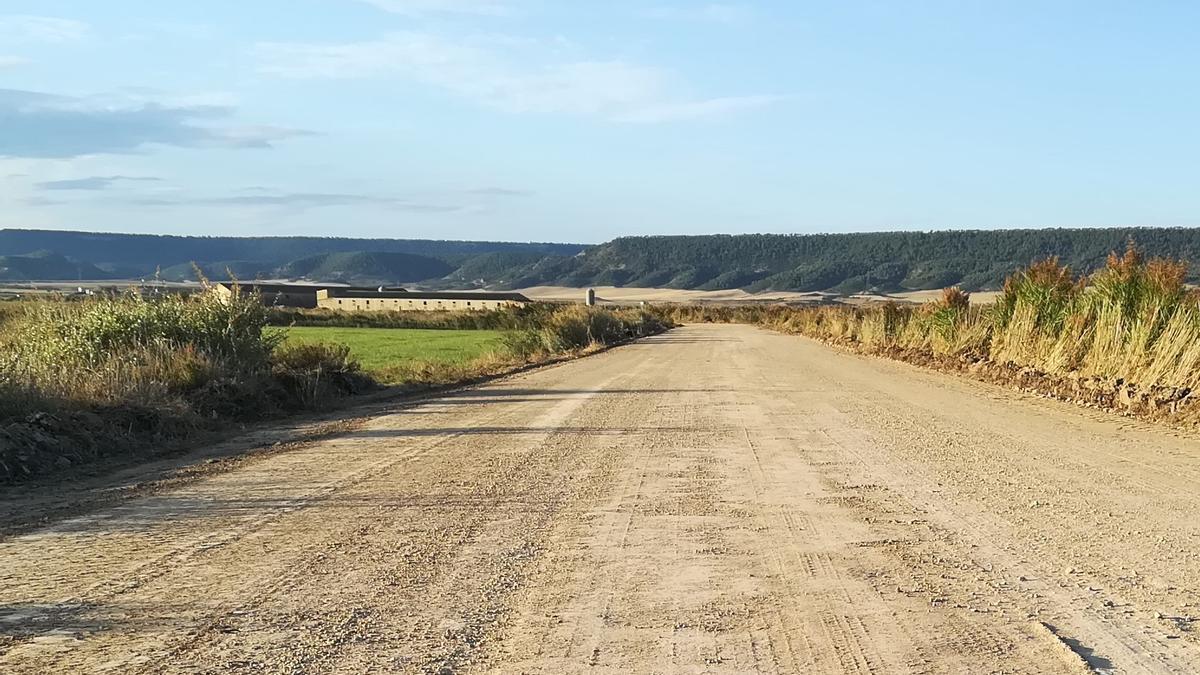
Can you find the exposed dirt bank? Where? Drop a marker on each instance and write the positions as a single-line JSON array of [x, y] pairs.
[[1172, 406]]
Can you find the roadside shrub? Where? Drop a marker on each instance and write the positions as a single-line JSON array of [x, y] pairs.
[[1133, 326], [1046, 287], [1130, 304], [10, 312], [84, 379], [946, 313], [567, 330], [313, 371], [110, 350], [105, 375], [575, 327], [510, 318], [314, 356]]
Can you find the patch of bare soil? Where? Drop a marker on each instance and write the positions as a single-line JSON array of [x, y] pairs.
[[718, 499], [77, 487], [630, 294]]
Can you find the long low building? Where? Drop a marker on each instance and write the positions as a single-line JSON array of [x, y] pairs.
[[281, 294], [273, 295], [358, 300]]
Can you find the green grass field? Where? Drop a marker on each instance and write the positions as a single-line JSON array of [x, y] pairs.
[[380, 348]]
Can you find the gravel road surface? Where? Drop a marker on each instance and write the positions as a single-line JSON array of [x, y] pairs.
[[718, 499]]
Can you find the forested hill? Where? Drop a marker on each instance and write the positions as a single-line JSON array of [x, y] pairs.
[[847, 263], [149, 251]]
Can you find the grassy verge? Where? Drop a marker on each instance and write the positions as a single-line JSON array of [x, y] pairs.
[[516, 318], [415, 359], [1125, 337], [81, 381], [379, 349], [84, 380]]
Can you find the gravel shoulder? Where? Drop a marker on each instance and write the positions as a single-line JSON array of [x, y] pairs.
[[717, 499]]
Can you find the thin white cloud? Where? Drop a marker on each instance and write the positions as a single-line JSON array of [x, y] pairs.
[[12, 61], [499, 192], [722, 13], [492, 73], [255, 136], [302, 200], [39, 125], [420, 7], [16, 28], [93, 183], [690, 110], [42, 202]]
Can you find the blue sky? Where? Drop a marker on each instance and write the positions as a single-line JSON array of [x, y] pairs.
[[582, 121]]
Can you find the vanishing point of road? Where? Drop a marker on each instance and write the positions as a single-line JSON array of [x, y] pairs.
[[718, 499]]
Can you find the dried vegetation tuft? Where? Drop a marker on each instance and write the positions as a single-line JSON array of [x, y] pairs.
[[1126, 336]]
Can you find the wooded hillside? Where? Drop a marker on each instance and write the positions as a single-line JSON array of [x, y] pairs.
[[846, 263]]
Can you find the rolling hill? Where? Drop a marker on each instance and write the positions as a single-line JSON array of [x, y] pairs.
[[148, 251], [366, 267], [47, 266], [846, 263], [361, 267]]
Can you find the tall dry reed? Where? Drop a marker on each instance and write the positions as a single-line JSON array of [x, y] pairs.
[[1133, 322]]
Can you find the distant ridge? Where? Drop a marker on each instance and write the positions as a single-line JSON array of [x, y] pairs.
[[149, 250], [841, 263], [849, 263], [48, 266]]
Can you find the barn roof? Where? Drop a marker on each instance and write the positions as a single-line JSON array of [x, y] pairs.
[[259, 287], [422, 295]]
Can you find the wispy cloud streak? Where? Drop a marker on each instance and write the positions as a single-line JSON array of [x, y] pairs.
[[483, 72], [38, 125]]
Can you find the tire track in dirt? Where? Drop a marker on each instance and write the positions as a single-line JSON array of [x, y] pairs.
[[718, 499], [273, 518], [1010, 580]]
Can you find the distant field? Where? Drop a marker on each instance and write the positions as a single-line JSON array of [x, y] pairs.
[[918, 297], [629, 295], [379, 348]]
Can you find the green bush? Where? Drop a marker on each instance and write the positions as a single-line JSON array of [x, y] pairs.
[[313, 371], [82, 379], [103, 349], [574, 327]]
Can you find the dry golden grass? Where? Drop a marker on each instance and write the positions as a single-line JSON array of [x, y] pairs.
[[1133, 323]]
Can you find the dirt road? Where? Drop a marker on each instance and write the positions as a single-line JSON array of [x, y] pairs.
[[715, 500]]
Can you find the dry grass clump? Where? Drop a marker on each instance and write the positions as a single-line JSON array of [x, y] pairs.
[[110, 350], [424, 374], [80, 380], [83, 379], [509, 318], [553, 332], [312, 372], [10, 312], [1133, 320], [576, 328], [1132, 327]]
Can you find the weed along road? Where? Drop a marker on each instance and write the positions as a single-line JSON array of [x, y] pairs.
[[718, 499]]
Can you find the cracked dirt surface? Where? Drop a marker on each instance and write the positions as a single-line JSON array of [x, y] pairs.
[[718, 499]]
